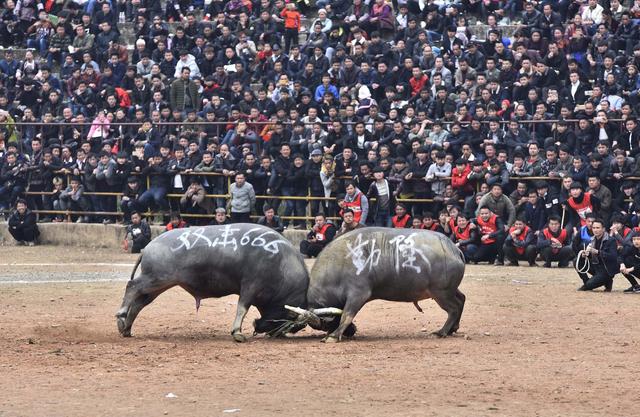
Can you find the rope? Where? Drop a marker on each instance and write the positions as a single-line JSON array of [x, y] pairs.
[[584, 268]]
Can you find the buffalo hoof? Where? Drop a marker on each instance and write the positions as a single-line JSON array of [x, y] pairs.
[[440, 334], [330, 339], [239, 337]]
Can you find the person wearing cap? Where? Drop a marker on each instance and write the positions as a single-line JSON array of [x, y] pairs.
[[603, 195], [626, 202], [579, 205], [380, 190]]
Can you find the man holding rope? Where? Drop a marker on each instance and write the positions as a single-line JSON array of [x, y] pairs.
[[597, 264]]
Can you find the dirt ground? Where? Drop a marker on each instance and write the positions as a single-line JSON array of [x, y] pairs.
[[529, 345]]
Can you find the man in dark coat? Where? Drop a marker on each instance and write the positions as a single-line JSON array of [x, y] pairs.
[[603, 259], [22, 224], [320, 236]]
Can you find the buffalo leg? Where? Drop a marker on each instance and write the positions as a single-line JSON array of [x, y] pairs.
[[461, 299], [241, 312], [349, 312], [449, 301]]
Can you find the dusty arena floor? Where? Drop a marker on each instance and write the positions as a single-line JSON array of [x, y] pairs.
[[529, 345]]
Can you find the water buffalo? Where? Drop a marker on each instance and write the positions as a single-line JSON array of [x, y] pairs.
[[253, 261], [387, 264]]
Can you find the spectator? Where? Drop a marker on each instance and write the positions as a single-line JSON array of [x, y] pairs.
[[519, 244], [194, 201], [22, 225], [491, 230], [271, 220], [357, 202], [401, 219], [320, 236], [220, 217], [465, 237], [349, 222], [138, 234], [380, 190], [72, 198], [130, 198], [243, 200], [630, 264], [554, 244], [175, 222]]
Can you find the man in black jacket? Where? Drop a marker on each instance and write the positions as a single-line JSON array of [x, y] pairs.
[[22, 224], [603, 257], [138, 234], [630, 265]]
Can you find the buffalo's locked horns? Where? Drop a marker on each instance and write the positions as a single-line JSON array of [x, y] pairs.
[[306, 317]]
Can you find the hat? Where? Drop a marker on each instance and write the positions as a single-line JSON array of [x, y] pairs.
[[132, 179], [422, 149], [340, 197], [575, 185], [316, 152], [184, 52], [627, 184], [275, 47], [400, 160]]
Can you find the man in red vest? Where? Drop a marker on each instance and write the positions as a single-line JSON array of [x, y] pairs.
[[554, 244], [402, 220], [465, 237], [357, 202], [519, 244], [490, 228], [580, 204], [320, 235]]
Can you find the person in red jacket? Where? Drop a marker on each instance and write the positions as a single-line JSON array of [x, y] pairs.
[[580, 204], [417, 81], [519, 244], [292, 19], [459, 178]]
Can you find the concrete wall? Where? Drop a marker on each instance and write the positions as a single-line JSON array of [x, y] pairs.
[[100, 236]]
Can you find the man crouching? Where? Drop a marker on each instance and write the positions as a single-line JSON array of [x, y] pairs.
[[603, 260]]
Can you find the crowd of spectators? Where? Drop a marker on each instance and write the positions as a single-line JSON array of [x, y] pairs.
[[359, 102]]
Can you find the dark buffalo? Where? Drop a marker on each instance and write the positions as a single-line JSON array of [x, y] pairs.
[[253, 261], [387, 264]]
